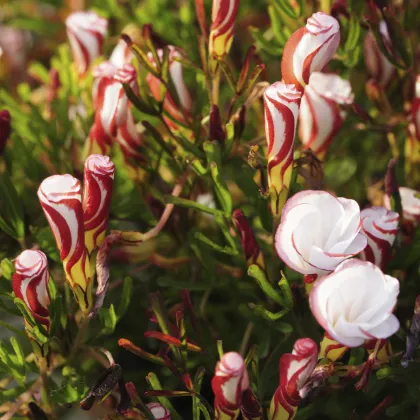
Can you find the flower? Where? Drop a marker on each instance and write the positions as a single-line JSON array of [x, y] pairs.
[[121, 54], [229, 382], [320, 117], [410, 202], [355, 303], [318, 231], [97, 193], [221, 31], [295, 369], [113, 116], [380, 226], [178, 110], [86, 32], [159, 411], [252, 251], [310, 49], [281, 107], [378, 66], [60, 198], [30, 284], [5, 129]]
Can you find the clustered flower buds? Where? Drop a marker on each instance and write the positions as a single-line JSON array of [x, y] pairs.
[[86, 32], [229, 383], [61, 199], [380, 69], [380, 226], [221, 32], [318, 231], [281, 107], [355, 303], [30, 284], [295, 369], [310, 49], [320, 116], [178, 109]]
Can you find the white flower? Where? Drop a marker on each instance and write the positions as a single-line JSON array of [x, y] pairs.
[[318, 231], [355, 303]]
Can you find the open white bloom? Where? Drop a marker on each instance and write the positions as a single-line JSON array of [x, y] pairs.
[[355, 303], [318, 231]]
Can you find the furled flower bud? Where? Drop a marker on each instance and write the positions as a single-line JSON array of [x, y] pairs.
[[30, 284], [295, 369], [97, 193], [415, 109], [378, 66], [253, 254], [179, 108], [310, 49], [5, 129], [229, 382], [121, 54], [281, 107], [318, 231], [113, 116], [86, 32], [380, 226], [410, 202], [320, 116], [221, 31], [159, 411], [355, 303], [60, 198]]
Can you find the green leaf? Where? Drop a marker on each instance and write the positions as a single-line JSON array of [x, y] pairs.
[[44, 237], [55, 307], [261, 277], [339, 171], [125, 297], [11, 209], [7, 268], [212, 245], [109, 319]]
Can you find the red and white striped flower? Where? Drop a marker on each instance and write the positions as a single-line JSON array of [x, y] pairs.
[[121, 54], [113, 116], [223, 23], [86, 32], [410, 202], [281, 108], [30, 284], [97, 193], [380, 226], [159, 411], [252, 251], [229, 382], [415, 109], [179, 110], [295, 369], [310, 49], [320, 115], [318, 231], [355, 303], [61, 200], [378, 66]]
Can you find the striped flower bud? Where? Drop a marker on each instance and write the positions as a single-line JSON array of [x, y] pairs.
[[221, 31], [410, 202], [252, 251], [320, 116], [30, 284], [229, 383], [310, 49], [97, 193], [179, 108], [281, 107], [295, 369], [415, 109], [5, 129], [159, 411], [60, 198], [86, 32], [378, 66], [380, 226], [121, 54]]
